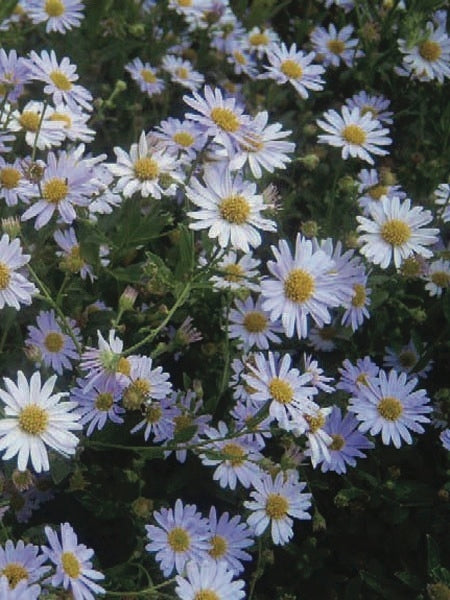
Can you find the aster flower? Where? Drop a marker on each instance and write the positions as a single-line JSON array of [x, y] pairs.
[[396, 230], [323, 338], [145, 76], [437, 277], [158, 420], [13, 75], [5, 139], [209, 580], [388, 404], [346, 444], [357, 310], [445, 438], [406, 360], [15, 289], [355, 376], [294, 66], [182, 72], [35, 418], [106, 361], [59, 15], [20, 592], [70, 254], [251, 324], [229, 208], [13, 185], [302, 285], [73, 122], [21, 562], [373, 103], [229, 537], [429, 58], [334, 47], [442, 198], [319, 380], [260, 39], [244, 414], [180, 536], [39, 132], [358, 135], [237, 273], [274, 502], [372, 189], [236, 458], [56, 348], [318, 439], [288, 392], [239, 56], [99, 404], [73, 565], [145, 383], [184, 137]]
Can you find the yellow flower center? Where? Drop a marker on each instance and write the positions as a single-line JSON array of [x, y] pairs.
[[185, 3], [390, 408], [239, 57], [234, 209], [146, 168], [258, 39], [376, 191], [30, 120], [316, 422], [206, 595], [219, 546], [153, 413], [252, 144], [136, 394], [33, 420], [359, 295], [234, 273], [123, 366], [14, 572], [430, 50], [178, 539], [354, 134], [56, 116], [73, 261], [61, 81], [148, 76], [54, 190], [369, 109], [336, 46], [276, 506], [439, 278], [362, 379], [182, 72], [142, 385], [235, 455], [338, 442], [281, 390], [182, 422], [255, 321], [183, 138], [299, 286], [291, 69], [225, 119], [54, 341], [407, 358], [54, 8], [395, 232], [104, 401], [5, 276], [71, 564], [9, 177]]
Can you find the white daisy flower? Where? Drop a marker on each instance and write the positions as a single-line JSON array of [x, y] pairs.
[[15, 289], [21, 592], [145, 383], [274, 502], [209, 581], [39, 131], [396, 231], [73, 122], [70, 254], [141, 170], [358, 135], [35, 418], [145, 76], [333, 46], [302, 285], [372, 189], [375, 104], [251, 324], [260, 39], [229, 208], [294, 66], [237, 273], [59, 15], [437, 277], [13, 184], [21, 563], [430, 58], [406, 359], [182, 72], [317, 446], [442, 199], [184, 137]]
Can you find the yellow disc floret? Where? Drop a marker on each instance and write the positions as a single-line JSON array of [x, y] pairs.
[[30, 120], [255, 321], [104, 401], [396, 232], [183, 138], [277, 506], [146, 168], [258, 39], [359, 295], [439, 278], [390, 408], [338, 442], [33, 420], [235, 209], [61, 81], [225, 119], [71, 564], [9, 177], [430, 50], [5, 276], [336, 46], [235, 455], [354, 134], [376, 191], [14, 572], [281, 390], [178, 539], [148, 76], [206, 595], [219, 546], [291, 69], [299, 286], [54, 8], [55, 189], [54, 341]]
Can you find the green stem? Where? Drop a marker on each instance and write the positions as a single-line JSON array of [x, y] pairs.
[[33, 154], [62, 288], [149, 590]]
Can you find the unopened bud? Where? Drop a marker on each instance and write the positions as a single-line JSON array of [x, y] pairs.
[[11, 226], [310, 161], [128, 298], [22, 480], [310, 229], [142, 507]]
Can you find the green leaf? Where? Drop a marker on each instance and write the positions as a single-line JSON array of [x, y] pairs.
[[130, 274], [60, 468], [185, 262], [185, 434], [433, 558], [6, 8]]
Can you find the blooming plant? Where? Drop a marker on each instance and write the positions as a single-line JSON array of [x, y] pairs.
[[224, 309]]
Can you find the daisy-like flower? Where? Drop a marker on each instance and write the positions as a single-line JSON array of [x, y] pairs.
[[13, 75], [353, 377], [358, 135], [263, 147], [397, 231], [244, 414], [209, 580], [242, 61], [445, 438], [158, 420], [334, 47], [146, 383], [106, 361], [73, 122], [221, 118], [357, 311], [99, 404], [59, 15], [56, 348], [184, 137], [13, 185], [437, 277], [141, 170], [73, 565], [145, 76], [388, 404], [303, 284], [229, 208], [430, 58], [319, 380], [59, 79], [406, 360], [346, 444], [35, 418], [442, 199], [71, 259], [66, 183], [260, 39], [372, 103], [21, 562], [182, 72], [5, 138], [294, 66], [372, 189], [180, 536], [15, 289], [237, 273], [21, 592], [252, 325], [318, 439], [39, 131], [274, 502], [236, 458], [275, 382], [229, 537]]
